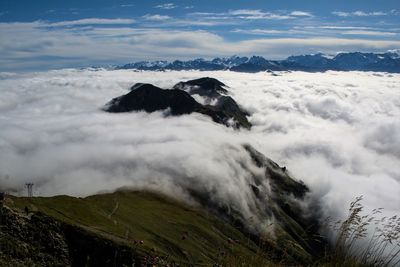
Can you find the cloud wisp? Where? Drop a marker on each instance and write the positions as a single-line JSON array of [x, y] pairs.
[[166, 6], [91, 21], [257, 14], [156, 17], [299, 13], [359, 13]]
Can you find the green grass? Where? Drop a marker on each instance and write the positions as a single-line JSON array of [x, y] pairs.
[[159, 222]]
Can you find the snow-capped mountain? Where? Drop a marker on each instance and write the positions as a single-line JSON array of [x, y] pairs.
[[386, 62]]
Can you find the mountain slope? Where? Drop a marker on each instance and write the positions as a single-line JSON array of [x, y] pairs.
[[126, 227], [132, 225], [209, 232]]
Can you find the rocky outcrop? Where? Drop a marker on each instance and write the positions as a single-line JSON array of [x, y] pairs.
[[206, 87], [40, 240], [216, 97], [220, 107], [150, 98]]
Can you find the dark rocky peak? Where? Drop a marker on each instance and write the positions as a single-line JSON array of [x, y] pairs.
[[257, 64], [354, 61], [206, 87], [150, 98], [258, 60], [310, 60], [199, 60], [145, 65], [393, 54], [224, 108], [229, 106], [230, 61], [141, 85]]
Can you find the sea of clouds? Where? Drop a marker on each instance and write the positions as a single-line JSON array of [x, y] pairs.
[[339, 132]]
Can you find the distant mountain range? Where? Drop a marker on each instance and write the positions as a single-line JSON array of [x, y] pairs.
[[354, 61]]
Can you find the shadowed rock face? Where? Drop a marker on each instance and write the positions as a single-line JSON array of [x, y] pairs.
[[41, 240], [150, 98], [179, 101], [282, 199], [277, 197], [216, 98]]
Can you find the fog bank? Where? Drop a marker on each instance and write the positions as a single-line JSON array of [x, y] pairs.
[[339, 132]]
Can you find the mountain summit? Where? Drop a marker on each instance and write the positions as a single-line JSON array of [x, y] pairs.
[[181, 100], [150, 98], [354, 61], [208, 87]]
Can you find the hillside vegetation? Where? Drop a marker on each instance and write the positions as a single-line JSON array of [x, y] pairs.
[[137, 227], [149, 225]]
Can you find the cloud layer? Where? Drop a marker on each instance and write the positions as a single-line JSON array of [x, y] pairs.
[[338, 132]]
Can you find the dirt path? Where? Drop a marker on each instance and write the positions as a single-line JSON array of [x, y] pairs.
[[114, 210]]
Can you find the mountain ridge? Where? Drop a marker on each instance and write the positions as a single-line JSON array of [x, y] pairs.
[[142, 227], [344, 61]]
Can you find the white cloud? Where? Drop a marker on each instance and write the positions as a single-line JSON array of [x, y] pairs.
[[260, 31], [208, 19], [273, 32], [384, 138], [359, 13], [373, 33], [156, 17], [394, 12], [166, 6], [92, 21], [251, 12], [334, 27], [353, 30], [256, 14], [39, 45], [341, 13], [378, 13], [335, 130], [298, 13]]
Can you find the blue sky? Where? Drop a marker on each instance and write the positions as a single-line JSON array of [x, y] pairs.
[[40, 34]]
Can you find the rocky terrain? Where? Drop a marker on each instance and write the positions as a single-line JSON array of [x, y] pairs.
[[36, 239], [180, 100]]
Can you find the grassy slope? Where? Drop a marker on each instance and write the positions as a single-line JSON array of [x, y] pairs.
[[158, 221]]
